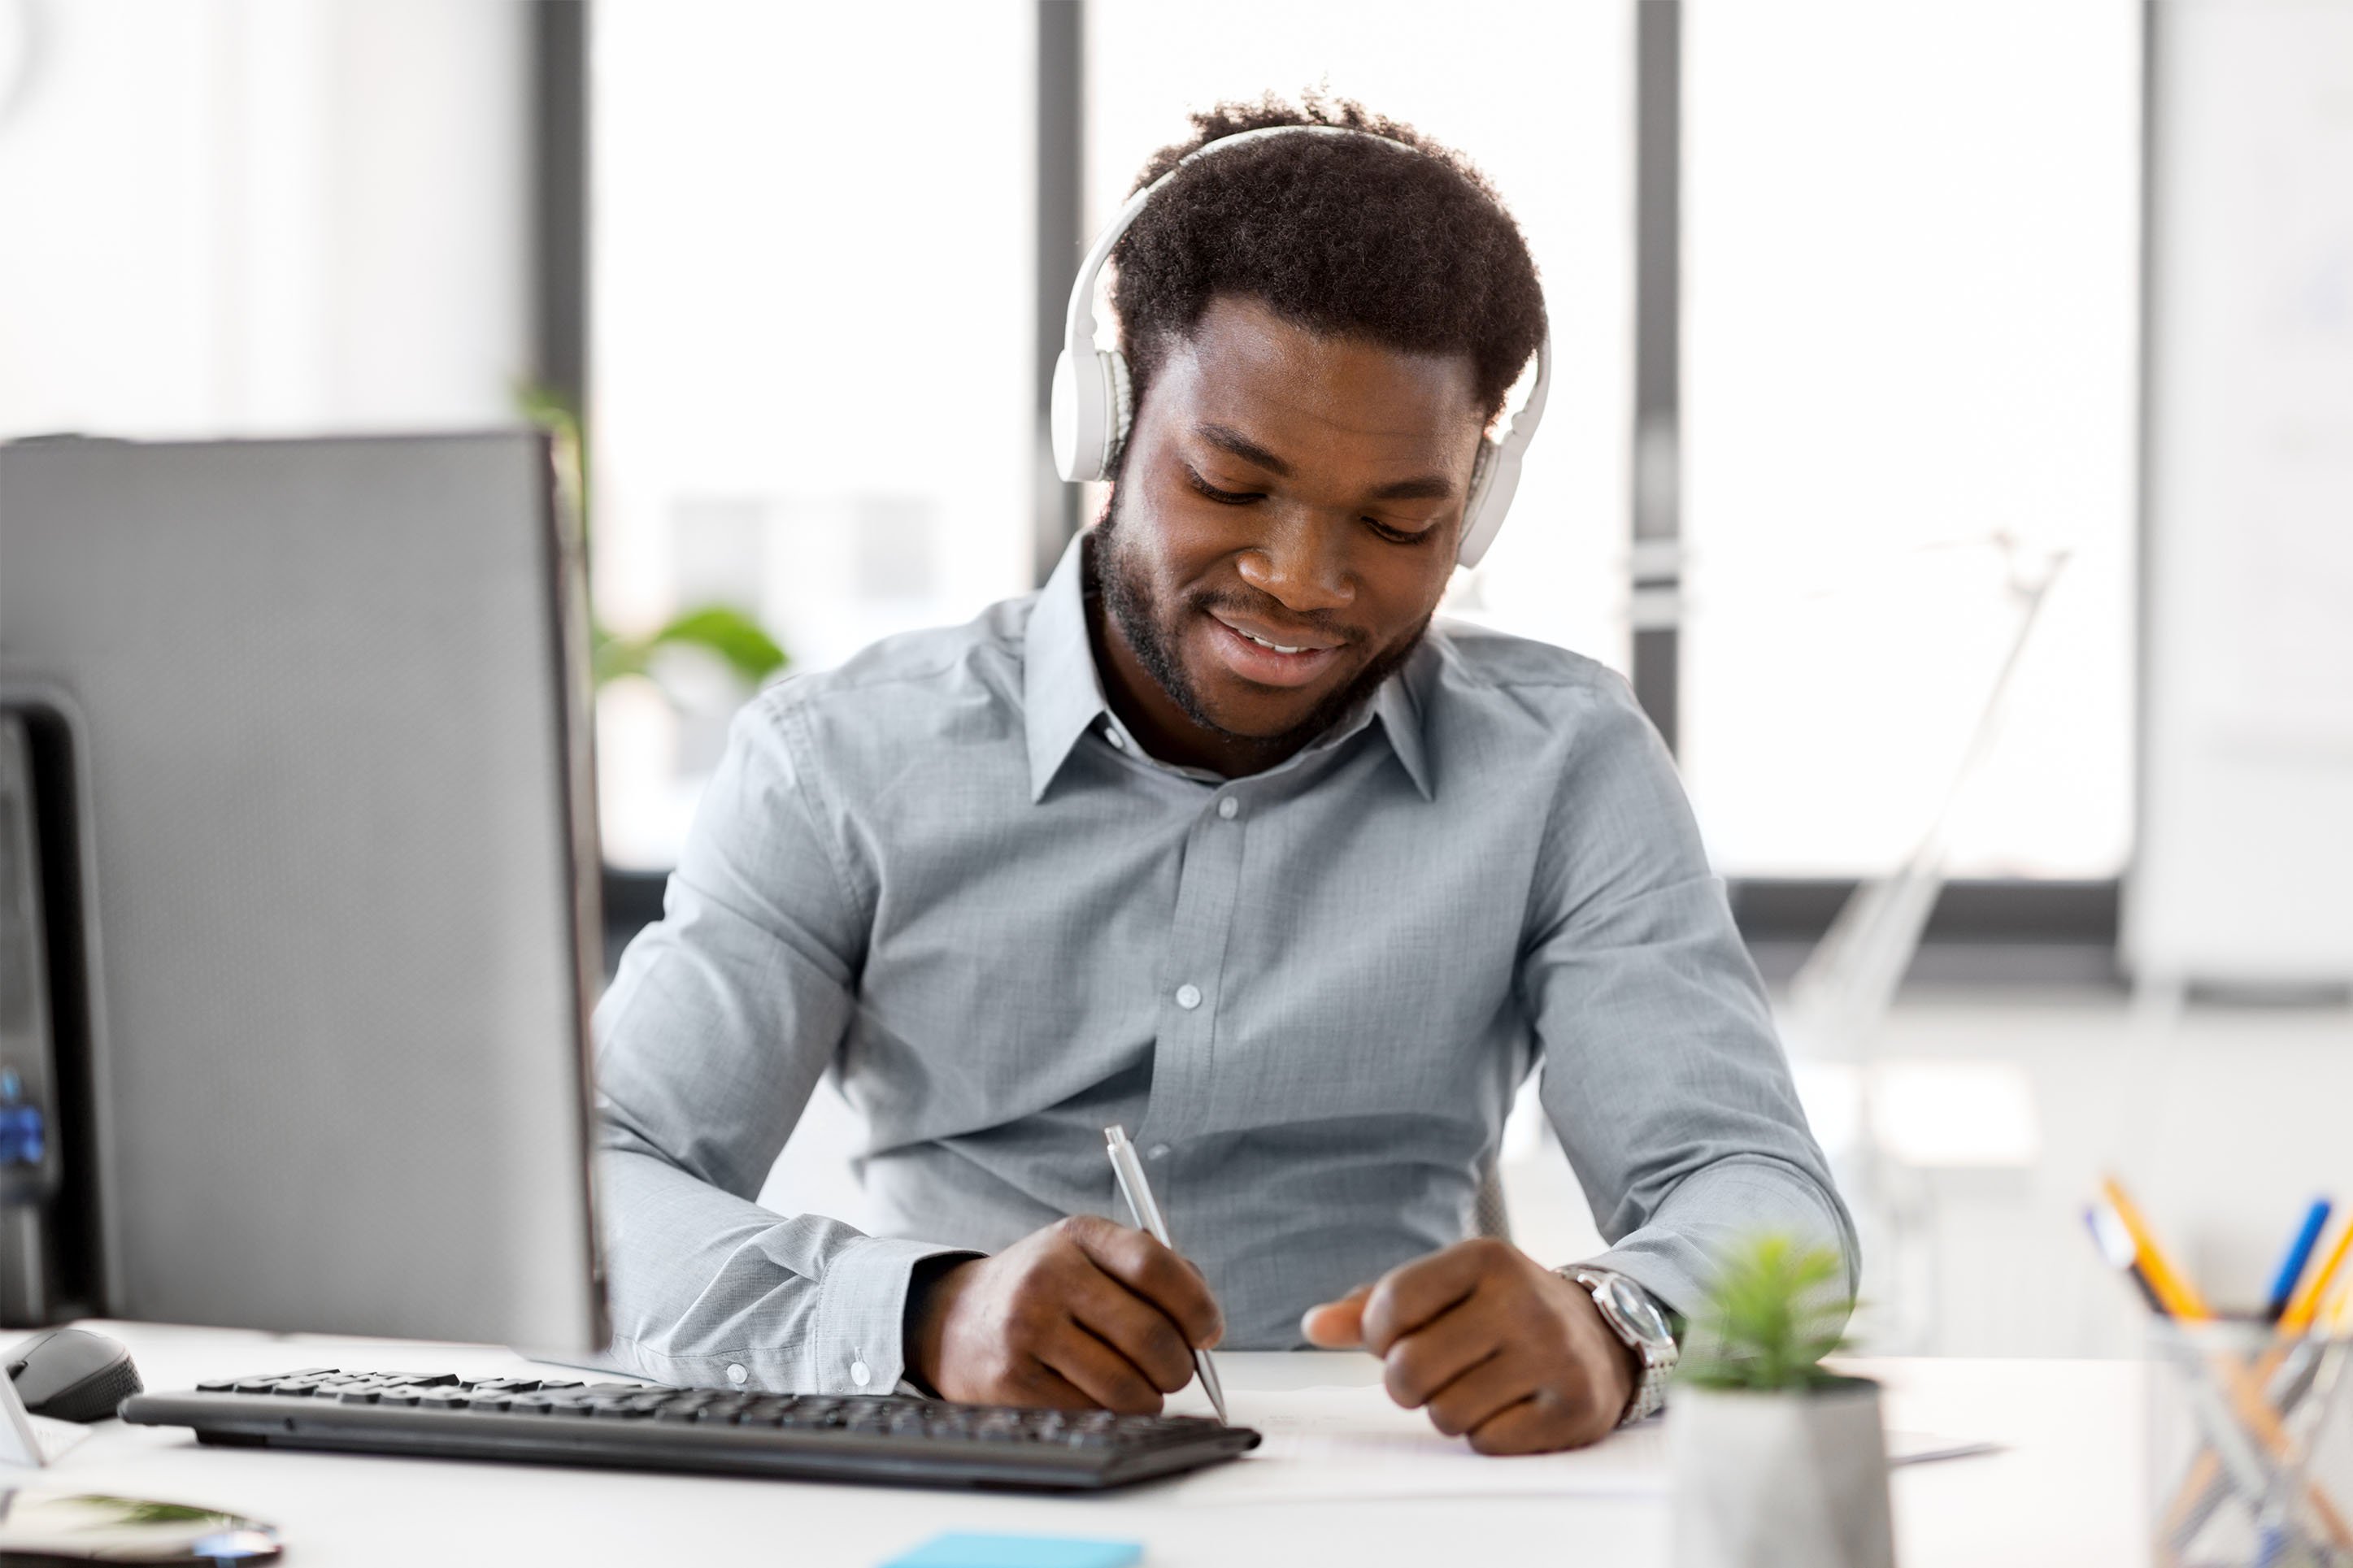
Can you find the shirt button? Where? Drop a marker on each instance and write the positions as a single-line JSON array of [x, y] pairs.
[[738, 1376], [1189, 997], [1118, 741], [1229, 807], [858, 1374], [1159, 1150]]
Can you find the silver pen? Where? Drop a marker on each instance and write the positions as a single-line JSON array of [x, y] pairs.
[[1129, 1171]]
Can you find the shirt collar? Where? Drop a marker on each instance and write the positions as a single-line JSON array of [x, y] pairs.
[[1400, 718], [1062, 694]]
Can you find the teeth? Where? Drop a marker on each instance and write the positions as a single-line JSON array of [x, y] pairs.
[[1276, 645]]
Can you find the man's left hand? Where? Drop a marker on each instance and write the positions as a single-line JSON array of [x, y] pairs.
[[1493, 1344]]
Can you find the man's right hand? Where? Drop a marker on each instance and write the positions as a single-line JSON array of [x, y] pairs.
[[1083, 1314]]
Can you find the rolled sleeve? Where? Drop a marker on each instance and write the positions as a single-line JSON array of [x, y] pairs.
[[715, 1032], [1711, 1211], [1663, 1073]]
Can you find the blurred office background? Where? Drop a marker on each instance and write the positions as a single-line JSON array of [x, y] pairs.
[[1874, 322]]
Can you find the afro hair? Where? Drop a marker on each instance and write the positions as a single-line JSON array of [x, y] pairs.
[[1386, 236]]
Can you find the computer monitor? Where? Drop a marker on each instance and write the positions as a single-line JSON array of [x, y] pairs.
[[317, 744]]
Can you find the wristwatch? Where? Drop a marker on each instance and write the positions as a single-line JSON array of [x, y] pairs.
[[1635, 1318]]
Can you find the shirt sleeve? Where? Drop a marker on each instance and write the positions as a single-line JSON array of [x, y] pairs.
[[710, 1042], [1662, 1074]]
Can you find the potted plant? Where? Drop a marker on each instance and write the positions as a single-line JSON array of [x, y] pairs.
[[722, 632], [1776, 1460]]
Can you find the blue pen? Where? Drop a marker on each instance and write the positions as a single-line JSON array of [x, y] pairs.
[[2299, 1254]]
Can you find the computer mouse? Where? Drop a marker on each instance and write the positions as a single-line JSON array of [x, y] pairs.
[[72, 1374]]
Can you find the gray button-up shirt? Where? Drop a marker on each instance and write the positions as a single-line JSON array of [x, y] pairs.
[[946, 874]]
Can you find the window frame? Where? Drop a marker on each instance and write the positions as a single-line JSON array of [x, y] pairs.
[[1992, 932]]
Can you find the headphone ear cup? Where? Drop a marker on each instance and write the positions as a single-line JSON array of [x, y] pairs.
[[1064, 416], [1495, 475], [1123, 407], [1088, 416]]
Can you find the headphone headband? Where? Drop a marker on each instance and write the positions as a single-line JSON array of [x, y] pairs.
[[1091, 412]]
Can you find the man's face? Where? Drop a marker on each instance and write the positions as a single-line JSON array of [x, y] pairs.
[[1286, 518]]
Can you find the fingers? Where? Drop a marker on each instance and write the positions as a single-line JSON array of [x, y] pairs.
[[1537, 1425], [1042, 1386], [1337, 1325], [1102, 1374], [1411, 1294], [1153, 1272], [1136, 1330], [1432, 1358], [1493, 1385]]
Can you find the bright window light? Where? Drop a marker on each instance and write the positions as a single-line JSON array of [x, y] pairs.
[[1910, 283], [811, 345]]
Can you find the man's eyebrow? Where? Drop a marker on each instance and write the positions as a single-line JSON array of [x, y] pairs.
[[1421, 487], [1242, 446]]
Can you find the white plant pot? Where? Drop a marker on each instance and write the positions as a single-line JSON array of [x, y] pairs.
[[1780, 1480]]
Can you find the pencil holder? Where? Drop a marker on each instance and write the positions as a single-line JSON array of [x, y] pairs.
[[2250, 1459]]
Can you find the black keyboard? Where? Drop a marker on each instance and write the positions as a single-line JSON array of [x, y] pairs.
[[892, 1438]]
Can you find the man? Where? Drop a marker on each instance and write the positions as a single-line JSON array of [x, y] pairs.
[[1217, 838]]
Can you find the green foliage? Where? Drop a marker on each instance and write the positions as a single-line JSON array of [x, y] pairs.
[[734, 637], [1776, 1311], [739, 641], [139, 1510], [553, 412]]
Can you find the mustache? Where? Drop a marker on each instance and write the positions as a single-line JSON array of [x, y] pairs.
[[1263, 607]]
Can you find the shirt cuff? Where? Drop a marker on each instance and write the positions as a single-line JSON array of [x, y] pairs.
[[1674, 1287], [861, 1315]]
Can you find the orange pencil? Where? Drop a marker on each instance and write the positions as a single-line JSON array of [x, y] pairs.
[[2306, 1304], [2174, 1290]]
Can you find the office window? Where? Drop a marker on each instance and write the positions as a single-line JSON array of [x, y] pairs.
[[810, 332], [245, 220], [1911, 288], [1539, 97]]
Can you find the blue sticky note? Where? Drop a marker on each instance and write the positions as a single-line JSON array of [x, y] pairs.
[[960, 1550]]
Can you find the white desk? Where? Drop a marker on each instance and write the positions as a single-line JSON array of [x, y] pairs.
[[2067, 1491]]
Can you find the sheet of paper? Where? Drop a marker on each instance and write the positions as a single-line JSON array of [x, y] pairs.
[[1334, 1444]]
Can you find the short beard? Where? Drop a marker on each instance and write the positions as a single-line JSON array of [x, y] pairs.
[[1127, 600]]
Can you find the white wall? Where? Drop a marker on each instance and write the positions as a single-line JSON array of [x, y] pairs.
[[238, 216]]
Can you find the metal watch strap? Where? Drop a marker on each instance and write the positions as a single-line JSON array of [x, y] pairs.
[[1658, 1360]]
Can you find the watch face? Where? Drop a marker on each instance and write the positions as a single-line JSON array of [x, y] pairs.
[[1633, 1305]]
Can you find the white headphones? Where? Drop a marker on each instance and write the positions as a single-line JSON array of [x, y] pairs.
[[1094, 398]]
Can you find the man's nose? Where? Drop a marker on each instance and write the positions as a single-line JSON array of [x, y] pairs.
[[1303, 563]]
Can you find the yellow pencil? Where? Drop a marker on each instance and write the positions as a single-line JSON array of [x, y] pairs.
[[2174, 1291]]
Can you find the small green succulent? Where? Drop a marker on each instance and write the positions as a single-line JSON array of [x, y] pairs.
[[1777, 1308]]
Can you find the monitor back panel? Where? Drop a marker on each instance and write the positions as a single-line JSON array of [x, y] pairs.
[[335, 730]]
